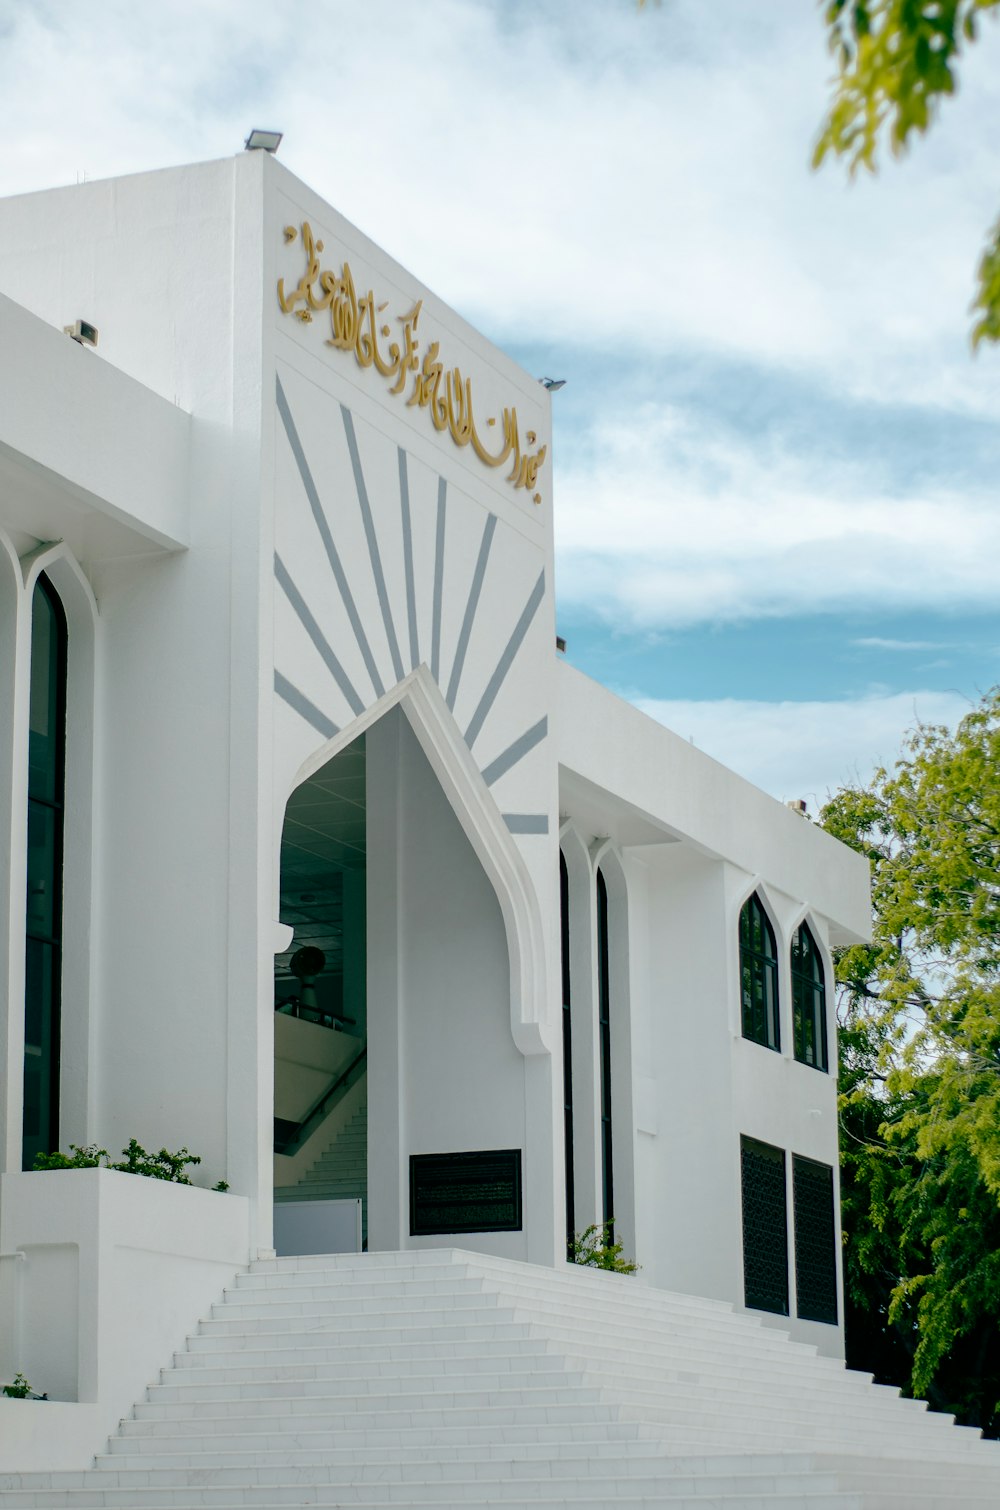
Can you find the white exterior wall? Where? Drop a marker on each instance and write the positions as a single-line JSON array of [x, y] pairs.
[[444, 1073], [156, 480], [157, 265], [695, 842]]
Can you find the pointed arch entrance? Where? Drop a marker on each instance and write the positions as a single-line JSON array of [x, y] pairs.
[[450, 1008]]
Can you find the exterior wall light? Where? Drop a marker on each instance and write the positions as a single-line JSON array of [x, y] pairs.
[[552, 384], [82, 332], [263, 141]]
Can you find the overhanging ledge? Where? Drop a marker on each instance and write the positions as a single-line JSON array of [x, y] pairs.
[[112, 476]]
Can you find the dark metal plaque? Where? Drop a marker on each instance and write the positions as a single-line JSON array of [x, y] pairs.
[[465, 1192]]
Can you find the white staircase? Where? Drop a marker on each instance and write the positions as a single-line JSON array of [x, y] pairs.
[[340, 1172], [450, 1379]]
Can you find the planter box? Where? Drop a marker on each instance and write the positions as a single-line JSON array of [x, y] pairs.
[[102, 1277]]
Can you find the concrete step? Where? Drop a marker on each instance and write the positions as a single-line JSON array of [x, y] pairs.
[[443, 1378]]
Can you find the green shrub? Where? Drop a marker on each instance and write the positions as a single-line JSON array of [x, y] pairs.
[[18, 1389], [135, 1160], [596, 1249]]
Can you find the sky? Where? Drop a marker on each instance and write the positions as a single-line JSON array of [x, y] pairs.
[[775, 458]]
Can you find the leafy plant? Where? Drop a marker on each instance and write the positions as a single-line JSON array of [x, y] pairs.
[[135, 1160], [18, 1389], [90, 1157], [596, 1249], [920, 1071], [222, 1186], [157, 1166], [897, 61]]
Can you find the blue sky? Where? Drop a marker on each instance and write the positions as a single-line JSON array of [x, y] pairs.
[[775, 460]]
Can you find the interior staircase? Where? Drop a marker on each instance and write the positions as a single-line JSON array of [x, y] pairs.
[[444, 1378], [340, 1172]]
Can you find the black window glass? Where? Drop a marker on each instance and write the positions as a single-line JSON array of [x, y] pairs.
[[808, 1001], [758, 976], [604, 1025], [567, 1044], [43, 953]]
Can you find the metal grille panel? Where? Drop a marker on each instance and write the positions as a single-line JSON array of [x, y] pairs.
[[765, 1227], [815, 1241]]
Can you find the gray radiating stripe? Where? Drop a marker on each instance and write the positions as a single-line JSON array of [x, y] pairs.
[[504, 664], [527, 823], [372, 538], [438, 582], [327, 538], [475, 591], [309, 711], [411, 591], [515, 752], [316, 634]]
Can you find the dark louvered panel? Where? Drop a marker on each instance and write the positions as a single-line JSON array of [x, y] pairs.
[[765, 1227], [815, 1241], [465, 1192]]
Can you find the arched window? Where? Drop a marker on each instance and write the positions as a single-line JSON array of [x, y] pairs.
[[759, 976], [604, 1028], [43, 945], [808, 1001], [567, 1042]]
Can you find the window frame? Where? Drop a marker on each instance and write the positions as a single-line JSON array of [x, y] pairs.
[[763, 973], [567, 1044], [755, 1157], [809, 1001], [50, 941], [817, 1289], [604, 1040]]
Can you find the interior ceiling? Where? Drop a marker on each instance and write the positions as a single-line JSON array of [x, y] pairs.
[[323, 836]]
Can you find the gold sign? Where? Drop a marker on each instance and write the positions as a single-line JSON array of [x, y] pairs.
[[356, 325]]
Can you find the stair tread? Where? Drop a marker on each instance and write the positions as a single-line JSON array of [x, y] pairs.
[[443, 1378]]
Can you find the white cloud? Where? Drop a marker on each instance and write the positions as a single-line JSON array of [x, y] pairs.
[[582, 172], [587, 176], [876, 642], [805, 749], [668, 520]]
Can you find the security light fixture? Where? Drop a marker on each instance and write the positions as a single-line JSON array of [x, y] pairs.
[[82, 332], [560, 644], [263, 141], [552, 384]]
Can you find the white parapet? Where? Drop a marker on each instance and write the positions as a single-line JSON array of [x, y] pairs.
[[103, 1276]]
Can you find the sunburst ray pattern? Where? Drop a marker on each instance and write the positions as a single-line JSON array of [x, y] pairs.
[[390, 573]]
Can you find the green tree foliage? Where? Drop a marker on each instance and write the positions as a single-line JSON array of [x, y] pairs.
[[920, 1071], [896, 60]]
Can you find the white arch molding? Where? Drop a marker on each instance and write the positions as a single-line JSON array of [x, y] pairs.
[[421, 700], [817, 925], [783, 943], [13, 850]]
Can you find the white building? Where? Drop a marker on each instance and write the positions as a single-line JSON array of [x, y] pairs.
[[278, 669]]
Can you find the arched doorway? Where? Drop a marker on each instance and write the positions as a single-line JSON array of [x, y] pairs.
[[320, 1000], [408, 1074]]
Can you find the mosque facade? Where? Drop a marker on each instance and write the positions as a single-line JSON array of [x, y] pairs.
[[318, 861]]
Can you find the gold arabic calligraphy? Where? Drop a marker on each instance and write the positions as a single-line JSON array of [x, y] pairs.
[[356, 325]]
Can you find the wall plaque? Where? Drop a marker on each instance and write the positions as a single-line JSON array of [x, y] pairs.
[[465, 1192]]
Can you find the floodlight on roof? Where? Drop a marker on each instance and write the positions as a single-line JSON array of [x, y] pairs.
[[552, 384], [263, 141]]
